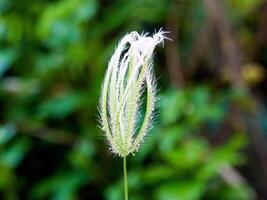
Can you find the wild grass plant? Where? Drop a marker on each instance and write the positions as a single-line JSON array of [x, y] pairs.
[[128, 85]]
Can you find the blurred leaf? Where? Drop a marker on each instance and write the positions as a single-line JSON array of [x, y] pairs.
[[157, 173], [244, 7], [186, 190], [82, 152], [61, 105], [4, 5], [227, 154], [6, 133], [114, 192], [7, 57], [60, 187], [13, 155], [59, 23], [202, 108], [170, 136], [187, 155], [241, 192], [7, 176], [172, 104]]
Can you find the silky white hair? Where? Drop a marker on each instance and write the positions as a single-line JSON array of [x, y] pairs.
[[128, 76]]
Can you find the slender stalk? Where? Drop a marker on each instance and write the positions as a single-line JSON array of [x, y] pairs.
[[125, 178]]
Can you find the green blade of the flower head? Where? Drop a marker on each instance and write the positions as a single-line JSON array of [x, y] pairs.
[[151, 91], [103, 105], [133, 105]]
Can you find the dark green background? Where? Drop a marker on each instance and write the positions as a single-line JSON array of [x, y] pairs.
[[208, 140]]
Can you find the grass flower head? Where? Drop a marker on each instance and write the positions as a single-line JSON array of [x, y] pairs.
[[129, 79]]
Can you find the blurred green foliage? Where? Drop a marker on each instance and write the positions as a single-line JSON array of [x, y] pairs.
[[53, 54]]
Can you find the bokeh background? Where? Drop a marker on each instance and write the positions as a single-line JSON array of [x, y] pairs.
[[209, 136]]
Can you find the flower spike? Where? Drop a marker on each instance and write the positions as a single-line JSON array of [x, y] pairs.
[[128, 76]]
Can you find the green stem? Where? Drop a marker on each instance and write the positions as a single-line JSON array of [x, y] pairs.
[[125, 178]]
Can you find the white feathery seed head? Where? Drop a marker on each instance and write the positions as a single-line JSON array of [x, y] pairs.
[[129, 79]]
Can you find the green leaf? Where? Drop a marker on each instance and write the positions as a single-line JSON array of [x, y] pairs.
[[226, 154], [13, 155], [60, 22], [188, 155], [170, 136], [114, 192], [81, 154], [6, 133], [7, 57], [172, 104], [61, 186], [185, 190], [60, 106], [156, 173]]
